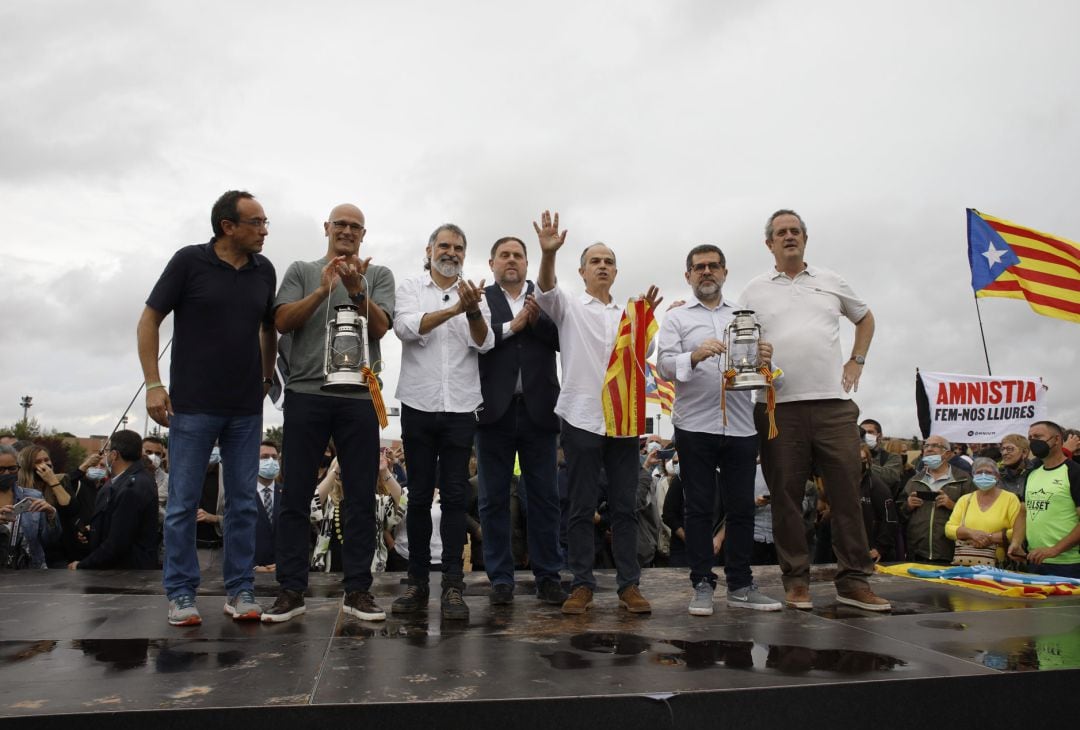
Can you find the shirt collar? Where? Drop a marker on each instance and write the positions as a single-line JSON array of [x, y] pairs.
[[809, 271], [693, 301], [211, 255], [428, 281], [586, 298]]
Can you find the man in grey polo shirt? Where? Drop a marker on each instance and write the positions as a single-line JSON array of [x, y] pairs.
[[309, 292], [798, 307]]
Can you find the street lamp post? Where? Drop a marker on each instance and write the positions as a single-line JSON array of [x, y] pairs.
[[26, 403]]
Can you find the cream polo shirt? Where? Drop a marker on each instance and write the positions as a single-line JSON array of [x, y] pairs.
[[801, 318]]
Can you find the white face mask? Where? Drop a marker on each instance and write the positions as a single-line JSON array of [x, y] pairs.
[[155, 460], [269, 468], [672, 467], [215, 456], [871, 440]]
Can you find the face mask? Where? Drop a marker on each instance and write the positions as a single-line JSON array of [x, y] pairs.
[[984, 481], [7, 482], [269, 468], [931, 461], [678, 468], [96, 473], [1039, 448], [871, 440], [653, 446], [326, 461], [215, 456], [155, 460], [672, 468]]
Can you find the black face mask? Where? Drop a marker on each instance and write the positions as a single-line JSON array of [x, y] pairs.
[[326, 461], [1039, 448], [7, 482]]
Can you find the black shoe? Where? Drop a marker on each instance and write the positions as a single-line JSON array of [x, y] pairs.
[[502, 594], [362, 605], [288, 604], [415, 599], [551, 592], [453, 605]]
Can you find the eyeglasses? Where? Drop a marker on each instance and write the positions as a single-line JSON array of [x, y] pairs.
[[342, 225], [935, 447], [710, 265], [255, 222], [9, 469], [1008, 449]]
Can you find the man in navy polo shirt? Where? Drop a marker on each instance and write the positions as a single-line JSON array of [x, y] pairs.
[[223, 353]]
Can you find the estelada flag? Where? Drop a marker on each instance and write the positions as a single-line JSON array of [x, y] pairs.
[[623, 394], [658, 390], [1011, 261]]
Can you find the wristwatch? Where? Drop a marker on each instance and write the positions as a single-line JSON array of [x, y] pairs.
[[860, 359]]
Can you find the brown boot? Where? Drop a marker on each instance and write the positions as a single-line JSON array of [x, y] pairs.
[[864, 598], [580, 601], [798, 597], [632, 600]]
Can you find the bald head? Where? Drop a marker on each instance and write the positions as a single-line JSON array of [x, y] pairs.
[[344, 230]]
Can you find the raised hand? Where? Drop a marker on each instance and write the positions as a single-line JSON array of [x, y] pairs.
[[652, 296], [548, 232], [329, 275]]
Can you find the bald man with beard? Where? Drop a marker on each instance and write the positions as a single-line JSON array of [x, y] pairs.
[[309, 292]]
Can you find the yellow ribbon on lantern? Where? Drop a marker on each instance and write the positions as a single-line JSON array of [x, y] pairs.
[[770, 396]]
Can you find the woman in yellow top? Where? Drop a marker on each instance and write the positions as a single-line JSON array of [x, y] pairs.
[[985, 517]]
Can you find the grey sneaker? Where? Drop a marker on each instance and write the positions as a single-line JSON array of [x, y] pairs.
[[184, 612], [751, 597], [701, 603], [242, 606]]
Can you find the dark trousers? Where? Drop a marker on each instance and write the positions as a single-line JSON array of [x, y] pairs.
[[823, 433], [700, 455], [437, 450], [496, 445], [310, 421], [586, 454]]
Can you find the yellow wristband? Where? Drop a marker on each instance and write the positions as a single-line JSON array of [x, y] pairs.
[[151, 386]]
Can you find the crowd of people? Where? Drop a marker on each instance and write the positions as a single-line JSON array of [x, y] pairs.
[[506, 466]]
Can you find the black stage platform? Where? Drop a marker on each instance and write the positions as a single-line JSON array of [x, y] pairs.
[[97, 644]]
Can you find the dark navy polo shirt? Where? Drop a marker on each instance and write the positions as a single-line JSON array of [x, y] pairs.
[[218, 311]]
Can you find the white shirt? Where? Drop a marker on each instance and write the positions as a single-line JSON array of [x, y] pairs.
[[697, 389], [801, 318], [439, 370], [516, 305], [587, 332]]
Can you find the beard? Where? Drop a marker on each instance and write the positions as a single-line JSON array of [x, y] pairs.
[[706, 290], [447, 266]]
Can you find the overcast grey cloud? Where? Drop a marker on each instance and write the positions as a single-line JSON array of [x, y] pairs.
[[651, 126]]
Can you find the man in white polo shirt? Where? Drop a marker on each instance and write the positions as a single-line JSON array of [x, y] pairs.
[[799, 307], [588, 324]]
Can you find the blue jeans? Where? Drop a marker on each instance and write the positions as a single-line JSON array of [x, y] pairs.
[[496, 445], [700, 455], [191, 437], [587, 454]]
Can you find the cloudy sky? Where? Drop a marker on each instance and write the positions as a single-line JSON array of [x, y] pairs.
[[651, 126]]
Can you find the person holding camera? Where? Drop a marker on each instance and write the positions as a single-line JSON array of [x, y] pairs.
[[28, 523]]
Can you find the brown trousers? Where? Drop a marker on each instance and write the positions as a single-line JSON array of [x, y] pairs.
[[821, 435]]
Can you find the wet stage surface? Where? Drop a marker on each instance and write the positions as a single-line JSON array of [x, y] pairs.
[[83, 642]]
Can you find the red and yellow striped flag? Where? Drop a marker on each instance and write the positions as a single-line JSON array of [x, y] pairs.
[[624, 383], [1011, 261]]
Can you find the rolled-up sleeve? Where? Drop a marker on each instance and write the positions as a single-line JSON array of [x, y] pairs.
[[489, 338], [408, 312]]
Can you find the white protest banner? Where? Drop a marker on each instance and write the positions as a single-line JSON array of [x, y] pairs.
[[982, 409]]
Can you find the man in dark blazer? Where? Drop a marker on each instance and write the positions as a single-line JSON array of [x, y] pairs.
[[520, 388], [268, 489]]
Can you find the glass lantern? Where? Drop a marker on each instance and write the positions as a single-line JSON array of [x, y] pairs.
[[346, 351], [741, 338]]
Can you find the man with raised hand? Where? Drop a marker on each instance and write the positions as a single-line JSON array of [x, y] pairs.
[[588, 326]]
